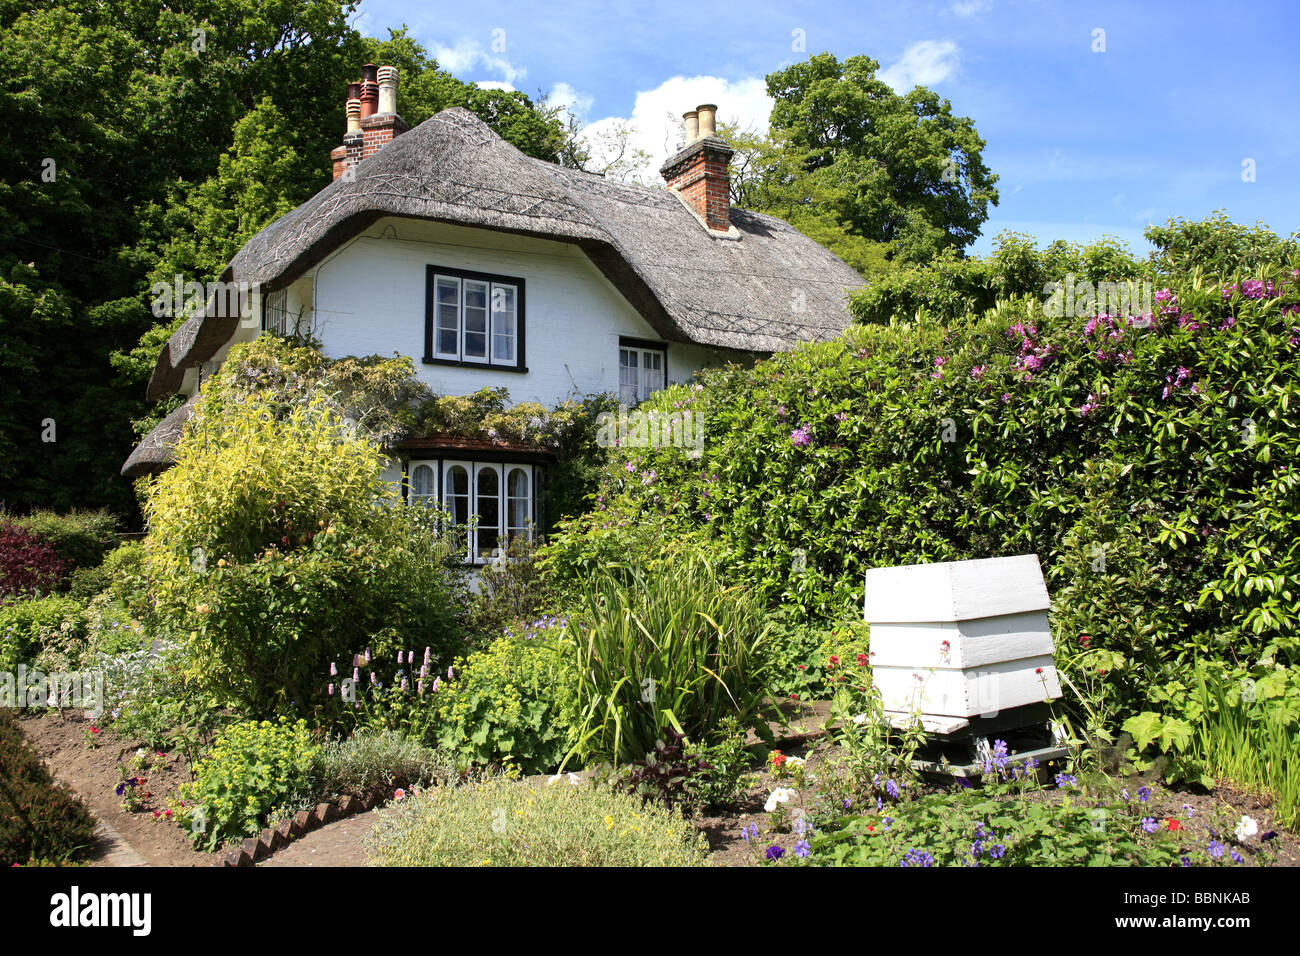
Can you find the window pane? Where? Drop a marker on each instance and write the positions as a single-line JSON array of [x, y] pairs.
[[653, 366], [488, 510], [504, 324], [476, 319], [627, 376], [518, 501], [447, 304], [455, 498], [422, 483]]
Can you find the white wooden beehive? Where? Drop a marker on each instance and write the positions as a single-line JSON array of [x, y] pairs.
[[960, 639]]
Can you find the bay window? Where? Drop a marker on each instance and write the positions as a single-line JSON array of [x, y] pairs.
[[485, 503]]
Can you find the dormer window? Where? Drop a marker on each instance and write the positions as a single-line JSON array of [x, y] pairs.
[[474, 319]]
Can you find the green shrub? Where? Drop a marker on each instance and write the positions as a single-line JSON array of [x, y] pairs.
[[254, 768], [121, 573], [275, 547], [1148, 467], [666, 644], [498, 822], [82, 537], [39, 818], [512, 703], [29, 627], [368, 762]]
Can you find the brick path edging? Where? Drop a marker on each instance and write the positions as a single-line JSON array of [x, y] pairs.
[[253, 849]]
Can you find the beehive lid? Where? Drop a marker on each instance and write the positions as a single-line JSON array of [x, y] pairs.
[[955, 590]]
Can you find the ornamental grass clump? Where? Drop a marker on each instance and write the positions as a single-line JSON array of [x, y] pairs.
[[663, 644], [499, 822]]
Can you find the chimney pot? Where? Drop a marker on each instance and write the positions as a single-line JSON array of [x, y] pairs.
[[708, 113], [699, 172], [387, 89], [692, 126], [353, 108]]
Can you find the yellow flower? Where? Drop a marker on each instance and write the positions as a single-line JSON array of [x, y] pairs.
[[609, 822]]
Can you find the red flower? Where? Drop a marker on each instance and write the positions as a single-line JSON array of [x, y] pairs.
[[1173, 824], [862, 660], [1084, 639], [94, 730], [834, 660], [778, 758], [1038, 670], [802, 667], [794, 696]]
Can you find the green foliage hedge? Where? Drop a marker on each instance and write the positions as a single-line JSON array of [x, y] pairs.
[[82, 537], [1152, 469]]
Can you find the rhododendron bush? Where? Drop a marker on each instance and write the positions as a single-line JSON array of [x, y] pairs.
[[1149, 459]]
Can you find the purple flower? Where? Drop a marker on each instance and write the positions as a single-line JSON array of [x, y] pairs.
[[802, 849], [891, 788], [917, 858], [1065, 781], [1216, 849], [801, 437], [1150, 825], [1144, 794], [774, 852]]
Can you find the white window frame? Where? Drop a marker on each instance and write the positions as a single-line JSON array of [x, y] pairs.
[[642, 389], [503, 470]]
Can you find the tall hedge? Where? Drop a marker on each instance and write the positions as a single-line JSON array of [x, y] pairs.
[[1149, 461]]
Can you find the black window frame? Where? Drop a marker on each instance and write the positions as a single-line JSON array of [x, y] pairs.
[[430, 287]]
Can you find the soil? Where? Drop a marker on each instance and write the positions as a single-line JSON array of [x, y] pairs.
[[95, 772], [139, 838]]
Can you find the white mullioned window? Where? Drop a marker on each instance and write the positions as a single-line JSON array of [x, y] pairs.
[[474, 318], [486, 502], [640, 373]]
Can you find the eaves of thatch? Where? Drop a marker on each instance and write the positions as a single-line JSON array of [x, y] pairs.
[[764, 287]]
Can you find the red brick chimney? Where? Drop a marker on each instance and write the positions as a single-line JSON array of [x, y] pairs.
[[372, 120], [699, 172]]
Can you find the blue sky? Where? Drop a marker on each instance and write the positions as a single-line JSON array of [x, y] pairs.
[[1086, 142]]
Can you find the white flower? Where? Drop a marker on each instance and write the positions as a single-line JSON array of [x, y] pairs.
[[779, 795], [1246, 829], [795, 761]]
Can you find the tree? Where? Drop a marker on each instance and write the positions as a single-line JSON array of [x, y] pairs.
[[847, 157]]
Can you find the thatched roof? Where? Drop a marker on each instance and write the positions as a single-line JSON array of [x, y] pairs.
[[762, 292], [155, 453]]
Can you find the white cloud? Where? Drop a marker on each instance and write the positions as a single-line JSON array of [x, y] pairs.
[[968, 8], [469, 55], [562, 94], [923, 64], [656, 115], [495, 85]]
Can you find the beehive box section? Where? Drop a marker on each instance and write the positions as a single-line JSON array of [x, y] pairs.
[[961, 639]]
